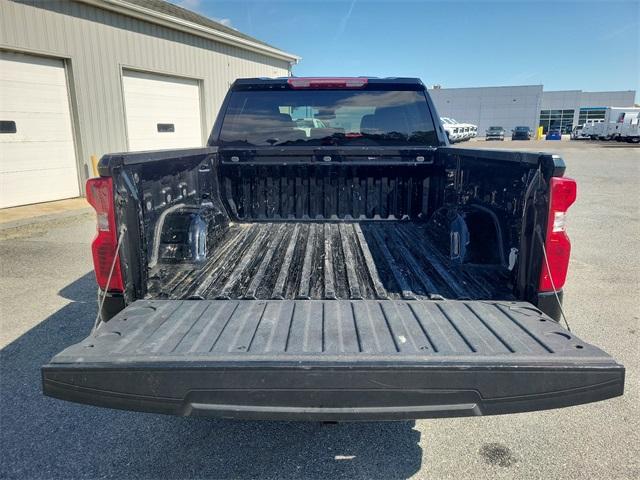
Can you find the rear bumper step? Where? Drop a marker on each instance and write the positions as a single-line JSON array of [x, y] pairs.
[[332, 360]]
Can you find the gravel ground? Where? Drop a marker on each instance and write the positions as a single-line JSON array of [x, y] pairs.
[[47, 298]]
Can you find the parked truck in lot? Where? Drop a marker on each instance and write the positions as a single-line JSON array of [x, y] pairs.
[[630, 129], [452, 130], [589, 128], [610, 128], [361, 270]]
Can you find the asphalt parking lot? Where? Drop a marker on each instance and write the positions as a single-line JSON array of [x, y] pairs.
[[47, 295]]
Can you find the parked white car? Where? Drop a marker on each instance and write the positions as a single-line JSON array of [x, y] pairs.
[[471, 130], [454, 131], [466, 131], [458, 132]]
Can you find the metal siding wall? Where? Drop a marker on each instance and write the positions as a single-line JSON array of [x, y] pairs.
[[486, 106], [561, 100], [608, 99], [99, 43]]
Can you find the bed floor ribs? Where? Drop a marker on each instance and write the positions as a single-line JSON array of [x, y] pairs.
[[307, 260]]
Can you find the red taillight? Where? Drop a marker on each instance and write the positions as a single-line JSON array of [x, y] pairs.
[[557, 244], [100, 196], [342, 82]]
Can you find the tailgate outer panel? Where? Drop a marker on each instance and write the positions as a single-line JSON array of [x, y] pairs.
[[332, 360]]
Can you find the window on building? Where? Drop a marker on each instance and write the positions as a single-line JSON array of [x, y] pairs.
[[562, 119], [590, 113]]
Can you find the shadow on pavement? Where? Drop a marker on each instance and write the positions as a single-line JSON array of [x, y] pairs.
[[46, 438]]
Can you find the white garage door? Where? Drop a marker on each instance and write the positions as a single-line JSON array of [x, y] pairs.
[[37, 156], [162, 112]]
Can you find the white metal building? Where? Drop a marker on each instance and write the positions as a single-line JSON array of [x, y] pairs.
[[504, 106], [527, 105], [81, 78]]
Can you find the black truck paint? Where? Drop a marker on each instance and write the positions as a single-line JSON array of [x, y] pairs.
[[332, 282]]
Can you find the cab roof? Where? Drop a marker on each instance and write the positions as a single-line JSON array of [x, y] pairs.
[[293, 83]]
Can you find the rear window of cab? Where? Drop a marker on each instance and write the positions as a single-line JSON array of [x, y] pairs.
[[328, 117]]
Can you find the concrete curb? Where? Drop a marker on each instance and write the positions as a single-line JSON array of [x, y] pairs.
[[43, 218]]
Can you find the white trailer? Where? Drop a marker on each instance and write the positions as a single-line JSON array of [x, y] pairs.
[[630, 129], [589, 128], [613, 120]]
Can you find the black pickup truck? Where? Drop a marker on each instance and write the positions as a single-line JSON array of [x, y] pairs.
[[327, 256]]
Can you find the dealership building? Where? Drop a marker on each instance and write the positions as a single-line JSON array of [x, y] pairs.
[[81, 78], [527, 105]]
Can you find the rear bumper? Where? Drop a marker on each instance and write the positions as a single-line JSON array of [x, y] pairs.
[[334, 393]]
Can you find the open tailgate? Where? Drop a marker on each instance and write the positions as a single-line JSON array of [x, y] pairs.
[[332, 360]]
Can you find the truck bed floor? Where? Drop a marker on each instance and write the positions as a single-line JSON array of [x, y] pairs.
[[306, 260]]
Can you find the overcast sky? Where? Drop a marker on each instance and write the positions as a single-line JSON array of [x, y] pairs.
[[563, 45]]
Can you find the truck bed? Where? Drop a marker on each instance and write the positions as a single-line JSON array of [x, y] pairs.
[[346, 260]]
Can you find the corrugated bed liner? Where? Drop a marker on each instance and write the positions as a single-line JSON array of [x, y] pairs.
[[395, 330], [307, 260]]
